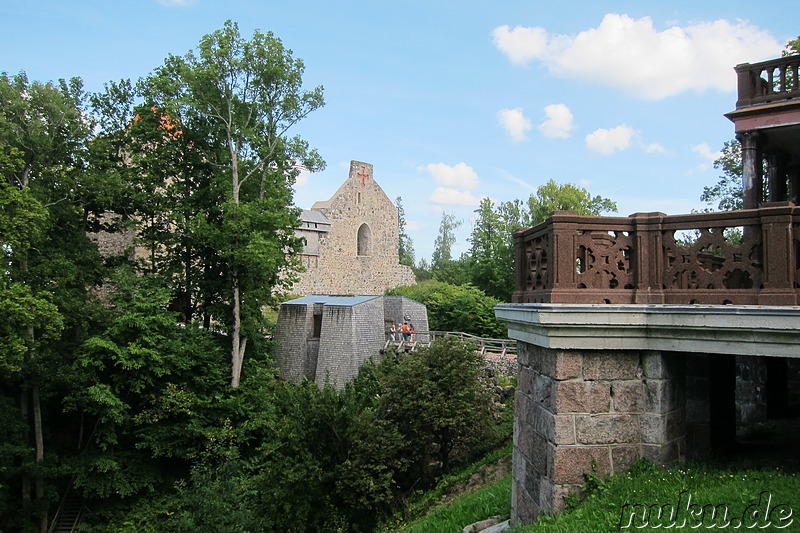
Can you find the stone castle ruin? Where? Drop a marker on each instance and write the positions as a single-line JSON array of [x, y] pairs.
[[351, 240]]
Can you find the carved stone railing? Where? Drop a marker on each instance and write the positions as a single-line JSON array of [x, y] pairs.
[[747, 257], [768, 81]]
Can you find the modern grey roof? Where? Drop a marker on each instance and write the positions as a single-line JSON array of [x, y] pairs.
[[313, 216], [342, 301]]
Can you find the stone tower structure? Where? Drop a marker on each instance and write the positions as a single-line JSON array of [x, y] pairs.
[[351, 240]]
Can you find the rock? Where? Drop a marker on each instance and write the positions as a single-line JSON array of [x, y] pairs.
[[482, 525], [502, 526]]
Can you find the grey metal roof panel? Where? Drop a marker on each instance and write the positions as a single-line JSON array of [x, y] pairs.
[[341, 301], [313, 216]]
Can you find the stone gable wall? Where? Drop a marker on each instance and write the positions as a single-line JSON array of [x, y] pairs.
[[338, 268]]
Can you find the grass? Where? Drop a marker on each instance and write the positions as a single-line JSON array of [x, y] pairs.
[[427, 503], [743, 494], [490, 500], [631, 501]]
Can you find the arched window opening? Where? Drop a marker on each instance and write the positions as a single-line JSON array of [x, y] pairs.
[[364, 236]]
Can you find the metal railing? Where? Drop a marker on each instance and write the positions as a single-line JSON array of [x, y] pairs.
[[485, 346]]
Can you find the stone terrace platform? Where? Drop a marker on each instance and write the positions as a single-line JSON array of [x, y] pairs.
[[686, 342], [610, 384]]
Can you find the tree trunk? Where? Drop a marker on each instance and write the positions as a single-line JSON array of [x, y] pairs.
[[26, 482], [236, 352], [237, 347], [39, 439]]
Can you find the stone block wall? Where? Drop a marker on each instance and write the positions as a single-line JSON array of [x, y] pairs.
[[293, 331], [397, 308], [350, 336], [335, 266], [582, 408], [336, 344], [327, 339]]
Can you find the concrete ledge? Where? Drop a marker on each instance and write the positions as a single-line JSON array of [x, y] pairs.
[[723, 329]]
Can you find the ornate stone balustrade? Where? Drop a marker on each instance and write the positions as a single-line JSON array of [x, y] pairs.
[[747, 257], [768, 81]]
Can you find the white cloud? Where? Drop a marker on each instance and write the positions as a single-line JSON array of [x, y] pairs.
[[176, 3], [521, 44], [632, 55], [514, 122], [460, 175], [302, 179], [607, 142], [413, 225], [705, 151], [654, 148], [558, 122], [449, 196]]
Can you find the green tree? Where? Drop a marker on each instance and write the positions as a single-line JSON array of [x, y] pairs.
[[245, 95], [491, 257], [443, 266], [439, 403], [144, 385], [726, 194], [405, 246], [49, 261], [567, 197], [792, 47]]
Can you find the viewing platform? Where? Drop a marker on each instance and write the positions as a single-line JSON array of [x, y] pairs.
[[767, 123], [659, 336], [746, 257]]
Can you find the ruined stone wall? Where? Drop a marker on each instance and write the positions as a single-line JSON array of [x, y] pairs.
[[340, 267]]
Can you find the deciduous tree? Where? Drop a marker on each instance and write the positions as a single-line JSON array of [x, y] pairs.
[[244, 96], [567, 197], [48, 260], [405, 246]]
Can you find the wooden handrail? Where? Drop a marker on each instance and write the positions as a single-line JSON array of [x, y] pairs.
[[485, 345]]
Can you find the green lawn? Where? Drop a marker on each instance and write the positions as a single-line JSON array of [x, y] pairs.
[[703, 497], [700, 497]]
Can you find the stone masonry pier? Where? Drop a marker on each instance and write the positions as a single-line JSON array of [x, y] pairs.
[[609, 384]]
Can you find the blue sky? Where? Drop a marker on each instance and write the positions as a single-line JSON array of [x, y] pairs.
[[455, 101]]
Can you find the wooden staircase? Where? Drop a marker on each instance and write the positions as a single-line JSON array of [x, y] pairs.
[[69, 515]]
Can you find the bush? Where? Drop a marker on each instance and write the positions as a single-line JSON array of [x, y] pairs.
[[462, 308]]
